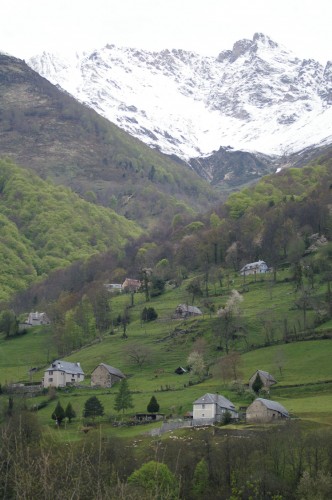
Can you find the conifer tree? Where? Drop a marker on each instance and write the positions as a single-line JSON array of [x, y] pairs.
[[153, 406], [59, 413], [70, 412], [258, 384], [123, 399], [93, 408]]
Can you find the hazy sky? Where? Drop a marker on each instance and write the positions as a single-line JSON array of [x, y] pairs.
[[28, 27]]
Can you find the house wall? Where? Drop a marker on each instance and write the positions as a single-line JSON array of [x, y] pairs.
[[257, 412], [57, 378], [204, 411], [101, 377]]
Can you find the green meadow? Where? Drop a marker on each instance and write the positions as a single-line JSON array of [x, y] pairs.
[[302, 368]]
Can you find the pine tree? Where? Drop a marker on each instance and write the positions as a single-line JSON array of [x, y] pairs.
[[93, 408], [59, 414], [70, 412], [123, 399], [153, 406], [258, 384]]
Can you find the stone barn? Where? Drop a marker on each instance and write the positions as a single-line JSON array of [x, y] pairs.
[[105, 376], [185, 311], [265, 410]]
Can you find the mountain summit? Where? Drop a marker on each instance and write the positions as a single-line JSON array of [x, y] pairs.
[[257, 96]]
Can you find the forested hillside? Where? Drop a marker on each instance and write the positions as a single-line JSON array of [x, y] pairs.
[[62, 140], [45, 227]]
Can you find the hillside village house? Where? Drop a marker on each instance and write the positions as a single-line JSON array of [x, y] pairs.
[[37, 318], [265, 410], [185, 311], [254, 268], [105, 375], [62, 373], [113, 287], [265, 377], [211, 408], [130, 285]]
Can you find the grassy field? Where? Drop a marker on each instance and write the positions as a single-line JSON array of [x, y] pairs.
[[297, 366]]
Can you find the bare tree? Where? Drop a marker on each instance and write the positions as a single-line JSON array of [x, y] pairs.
[[228, 322], [138, 354]]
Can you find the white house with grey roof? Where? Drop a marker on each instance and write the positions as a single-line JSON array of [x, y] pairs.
[[264, 410], [62, 373], [211, 408], [254, 268]]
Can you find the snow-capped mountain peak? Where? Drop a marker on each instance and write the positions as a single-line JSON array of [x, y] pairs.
[[257, 96]]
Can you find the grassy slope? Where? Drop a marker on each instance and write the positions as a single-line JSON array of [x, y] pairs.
[[305, 362]]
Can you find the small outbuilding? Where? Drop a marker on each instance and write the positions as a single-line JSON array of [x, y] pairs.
[[180, 370], [185, 311], [266, 378], [105, 375], [265, 410]]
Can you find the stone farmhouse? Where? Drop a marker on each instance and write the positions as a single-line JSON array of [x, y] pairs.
[[185, 311], [265, 377], [254, 268], [265, 410], [105, 375], [130, 285], [62, 373], [210, 408]]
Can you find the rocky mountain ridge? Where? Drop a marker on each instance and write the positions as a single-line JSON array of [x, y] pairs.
[[257, 96]]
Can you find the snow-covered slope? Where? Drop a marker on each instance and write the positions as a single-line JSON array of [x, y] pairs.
[[257, 96]]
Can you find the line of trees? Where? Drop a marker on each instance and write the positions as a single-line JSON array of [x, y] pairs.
[[287, 463]]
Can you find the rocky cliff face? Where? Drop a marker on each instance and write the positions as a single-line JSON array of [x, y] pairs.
[[257, 96]]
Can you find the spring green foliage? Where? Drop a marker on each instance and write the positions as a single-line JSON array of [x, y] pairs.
[[293, 184], [123, 399], [156, 481], [44, 227], [8, 324], [200, 481]]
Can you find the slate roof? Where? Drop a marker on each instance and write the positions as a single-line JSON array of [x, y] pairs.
[[112, 370], [265, 374], [253, 265], [273, 405], [215, 398], [66, 366], [189, 309]]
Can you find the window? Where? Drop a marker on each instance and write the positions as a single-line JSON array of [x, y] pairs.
[[50, 379], [50, 372], [78, 375], [203, 406]]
